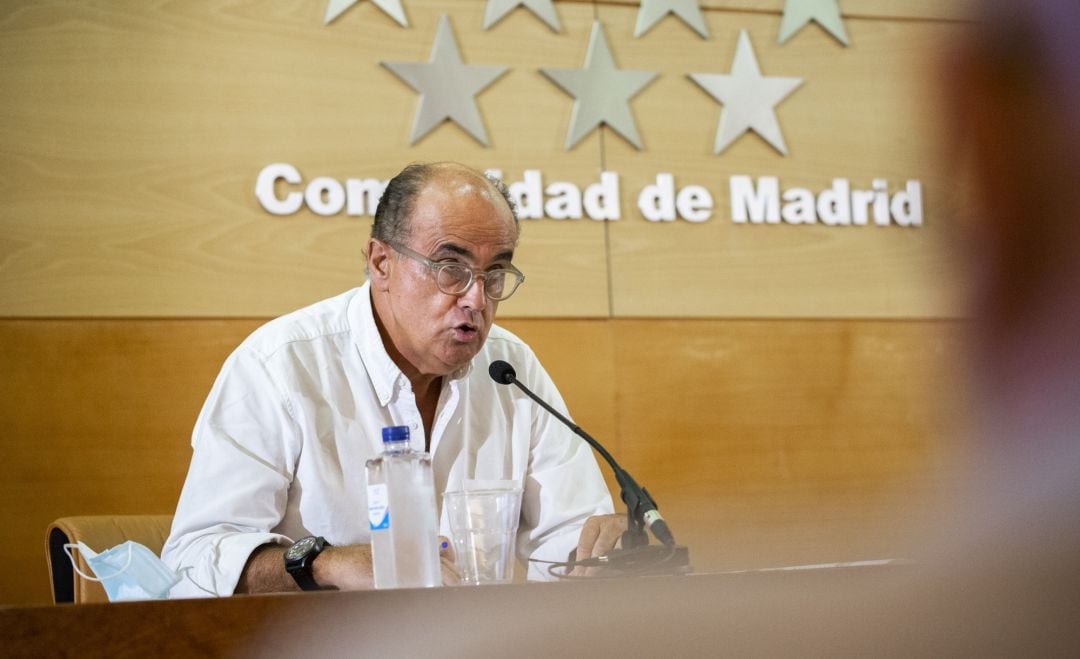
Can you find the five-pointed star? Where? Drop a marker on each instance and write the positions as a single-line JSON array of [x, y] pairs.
[[798, 13], [544, 10], [447, 86], [601, 91], [335, 8], [748, 98], [652, 11]]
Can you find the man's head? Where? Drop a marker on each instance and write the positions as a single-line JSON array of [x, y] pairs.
[[444, 213], [396, 203]]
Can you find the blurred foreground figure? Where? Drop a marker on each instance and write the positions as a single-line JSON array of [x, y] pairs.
[[1013, 101], [1009, 560]]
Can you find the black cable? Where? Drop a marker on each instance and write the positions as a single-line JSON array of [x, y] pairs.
[[620, 563]]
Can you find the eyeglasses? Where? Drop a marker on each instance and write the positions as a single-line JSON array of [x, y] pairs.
[[456, 279]]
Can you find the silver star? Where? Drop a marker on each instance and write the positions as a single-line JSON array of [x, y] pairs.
[[544, 10], [335, 8], [447, 86], [798, 13], [748, 98], [652, 11], [601, 91]]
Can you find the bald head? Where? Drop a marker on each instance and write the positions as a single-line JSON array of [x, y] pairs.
[[396, 204]]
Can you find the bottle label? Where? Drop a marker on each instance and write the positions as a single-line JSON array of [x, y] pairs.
[[378, 507]]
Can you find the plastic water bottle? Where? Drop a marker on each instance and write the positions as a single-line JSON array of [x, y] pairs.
[[401, 512]]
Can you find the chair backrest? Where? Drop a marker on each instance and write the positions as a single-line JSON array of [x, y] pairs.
[[98, 532]]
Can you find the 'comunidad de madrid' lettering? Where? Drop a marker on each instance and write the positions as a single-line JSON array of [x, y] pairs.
[[281, 190]]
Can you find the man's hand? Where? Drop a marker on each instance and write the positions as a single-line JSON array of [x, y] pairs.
[[450, 574], [350, 567], [601, 534]]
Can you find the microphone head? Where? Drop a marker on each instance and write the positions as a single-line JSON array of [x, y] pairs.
[[502, 372]]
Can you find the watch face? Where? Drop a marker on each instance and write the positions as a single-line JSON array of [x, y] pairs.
[[300, 548]]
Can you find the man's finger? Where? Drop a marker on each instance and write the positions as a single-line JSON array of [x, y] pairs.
[[589, 533], [599, 535], [451, 576], [609, 536], [446, 548]]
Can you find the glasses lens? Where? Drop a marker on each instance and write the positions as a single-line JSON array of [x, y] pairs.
[[501, 284], [453, 279], [494, 283]]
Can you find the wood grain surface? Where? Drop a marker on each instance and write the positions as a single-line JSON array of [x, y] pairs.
[[131, 135]]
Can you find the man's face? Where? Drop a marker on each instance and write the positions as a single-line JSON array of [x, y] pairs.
[[455, 218]]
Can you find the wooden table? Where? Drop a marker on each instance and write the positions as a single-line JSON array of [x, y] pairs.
[[837, 612]]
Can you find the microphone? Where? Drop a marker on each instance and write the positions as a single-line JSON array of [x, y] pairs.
[[641, 509]]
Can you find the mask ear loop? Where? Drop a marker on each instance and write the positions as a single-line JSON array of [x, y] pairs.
[[185, 573], [75, 564]]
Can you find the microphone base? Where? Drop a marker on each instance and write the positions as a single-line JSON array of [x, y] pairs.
[[647, 560]]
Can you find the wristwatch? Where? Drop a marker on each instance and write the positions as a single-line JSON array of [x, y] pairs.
[[300, 556]]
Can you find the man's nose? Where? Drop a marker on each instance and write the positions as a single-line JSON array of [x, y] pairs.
[[476, 298]]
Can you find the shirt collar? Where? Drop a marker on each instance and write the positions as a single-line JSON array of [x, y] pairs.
[[384, 373]]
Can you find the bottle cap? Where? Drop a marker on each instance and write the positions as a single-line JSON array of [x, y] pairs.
[[395, 434]]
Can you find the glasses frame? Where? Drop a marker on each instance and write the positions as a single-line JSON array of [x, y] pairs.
[[435, 267]]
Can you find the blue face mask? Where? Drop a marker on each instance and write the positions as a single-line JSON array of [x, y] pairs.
[[128, 571]]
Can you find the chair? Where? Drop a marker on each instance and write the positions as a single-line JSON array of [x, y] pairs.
[[99, 532]]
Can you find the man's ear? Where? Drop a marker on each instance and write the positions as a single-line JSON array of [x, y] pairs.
[[379, 264]]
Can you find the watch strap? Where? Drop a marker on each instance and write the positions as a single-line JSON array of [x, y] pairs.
[[304, 579]]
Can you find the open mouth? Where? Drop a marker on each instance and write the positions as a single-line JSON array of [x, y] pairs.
[[466, 332]]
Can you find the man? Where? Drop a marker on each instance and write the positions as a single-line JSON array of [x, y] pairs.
[[281, 443]]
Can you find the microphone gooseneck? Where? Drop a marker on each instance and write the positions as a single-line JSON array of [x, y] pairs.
[[642, 512]]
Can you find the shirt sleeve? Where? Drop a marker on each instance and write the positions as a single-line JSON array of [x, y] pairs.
[[245, 446], [563, 486]]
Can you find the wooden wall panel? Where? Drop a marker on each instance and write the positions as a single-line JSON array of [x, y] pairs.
[[97, 417], [781, 443], [860, 114], [765, 442], [131, 135]]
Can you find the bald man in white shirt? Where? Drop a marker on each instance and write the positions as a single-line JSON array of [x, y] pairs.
[[297, 410]]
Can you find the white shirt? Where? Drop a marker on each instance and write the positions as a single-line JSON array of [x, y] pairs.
[[280, 445]]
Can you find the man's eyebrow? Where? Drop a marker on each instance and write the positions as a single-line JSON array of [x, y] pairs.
[[458, 250], [453, 249]]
